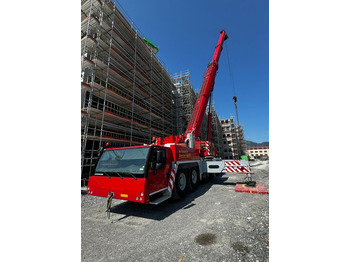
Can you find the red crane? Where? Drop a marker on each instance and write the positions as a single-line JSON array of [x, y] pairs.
[[191, 135], [154, 173]]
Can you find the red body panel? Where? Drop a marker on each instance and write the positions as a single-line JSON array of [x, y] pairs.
[[182, 153], [127, 188]]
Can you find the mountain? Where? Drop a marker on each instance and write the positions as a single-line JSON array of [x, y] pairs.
[[253, 144]]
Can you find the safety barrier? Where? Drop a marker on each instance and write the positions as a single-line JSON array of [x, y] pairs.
[[237, 166]]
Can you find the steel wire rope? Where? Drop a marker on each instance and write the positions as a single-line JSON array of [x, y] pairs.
[[233, 89], [233, 94]]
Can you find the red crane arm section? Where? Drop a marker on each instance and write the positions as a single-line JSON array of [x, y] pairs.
[[207, 88]]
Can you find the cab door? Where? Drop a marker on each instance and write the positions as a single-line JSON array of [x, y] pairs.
[[158, 169]]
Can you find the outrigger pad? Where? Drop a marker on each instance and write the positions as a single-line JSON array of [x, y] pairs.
[[258, 189]]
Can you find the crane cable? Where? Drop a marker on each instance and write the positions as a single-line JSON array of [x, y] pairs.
[[234, 97], [230, 72], [232, 83]]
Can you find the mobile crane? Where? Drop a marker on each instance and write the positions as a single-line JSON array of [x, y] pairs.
[[168, 167]]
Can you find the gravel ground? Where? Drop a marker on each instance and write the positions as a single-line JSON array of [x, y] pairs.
[[214, 223]]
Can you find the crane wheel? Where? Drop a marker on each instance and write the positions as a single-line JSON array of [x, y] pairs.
[[181, 185], [193, 179]]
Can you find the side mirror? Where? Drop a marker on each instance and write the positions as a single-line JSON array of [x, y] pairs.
[[159, 156], [160, 159], [157, 161], [159, 166]]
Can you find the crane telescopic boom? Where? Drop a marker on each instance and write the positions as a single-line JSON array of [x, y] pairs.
[[207, 88], [190, 137]]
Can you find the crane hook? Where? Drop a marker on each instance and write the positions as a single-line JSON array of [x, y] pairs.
[[235, 99]]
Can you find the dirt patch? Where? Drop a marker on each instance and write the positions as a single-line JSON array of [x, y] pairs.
[[206, 239], [238, 246]]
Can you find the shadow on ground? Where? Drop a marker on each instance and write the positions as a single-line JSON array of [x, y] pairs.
[[163, 210], [219, 180]]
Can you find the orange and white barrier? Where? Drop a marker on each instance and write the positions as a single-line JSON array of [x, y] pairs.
[[237, 166], [207, 147]]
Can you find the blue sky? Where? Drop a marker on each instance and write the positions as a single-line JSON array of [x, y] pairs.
[[186, 33]]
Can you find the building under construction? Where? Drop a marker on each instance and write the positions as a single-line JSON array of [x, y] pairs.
[[185, 99], [127, 96], [234, 143]]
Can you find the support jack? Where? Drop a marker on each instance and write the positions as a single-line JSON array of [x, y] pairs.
[[109, 204]]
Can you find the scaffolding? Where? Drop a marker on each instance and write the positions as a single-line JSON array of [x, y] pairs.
[[127, 95], [185, 99], [216, 135], [242, 147]]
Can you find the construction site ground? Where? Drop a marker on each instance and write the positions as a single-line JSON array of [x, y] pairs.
[[214, 223]]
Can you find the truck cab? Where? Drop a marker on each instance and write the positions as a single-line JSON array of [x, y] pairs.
[[131, 173]]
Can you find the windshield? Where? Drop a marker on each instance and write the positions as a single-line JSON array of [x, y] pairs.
[[124, 162]]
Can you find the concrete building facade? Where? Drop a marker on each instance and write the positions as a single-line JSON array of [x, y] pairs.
[[233, 139], [258, 152]]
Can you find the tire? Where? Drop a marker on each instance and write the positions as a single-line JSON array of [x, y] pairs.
[[181, 185], [193, 179]]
